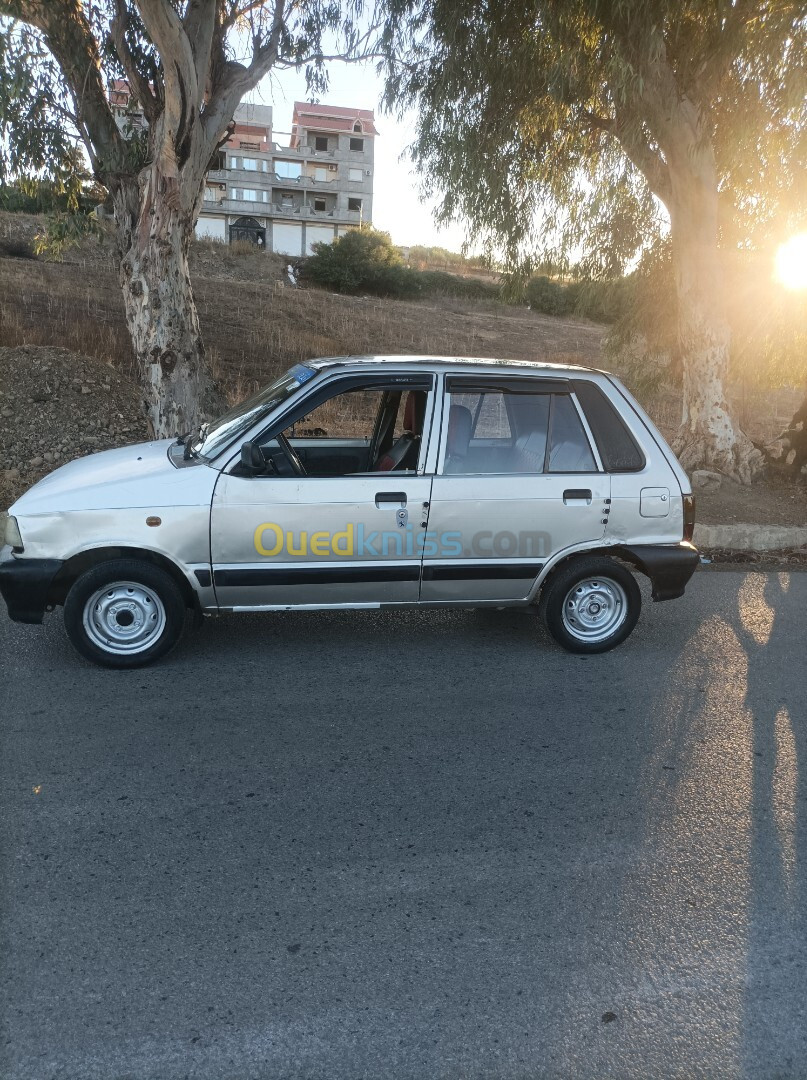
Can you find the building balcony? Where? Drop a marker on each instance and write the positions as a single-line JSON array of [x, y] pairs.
[[247, 208], [260, 179], [306, 152]]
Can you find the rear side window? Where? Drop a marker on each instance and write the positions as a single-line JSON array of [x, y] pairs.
[[618, 448], [528, 430]]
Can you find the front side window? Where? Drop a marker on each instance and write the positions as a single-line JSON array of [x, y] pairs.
[[492, 431], [235, 423], [363, 429]]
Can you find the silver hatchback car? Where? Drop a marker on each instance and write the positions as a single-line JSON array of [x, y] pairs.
[[366, 482]]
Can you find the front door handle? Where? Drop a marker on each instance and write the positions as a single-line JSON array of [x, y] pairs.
[[577, 495], [398, 497]]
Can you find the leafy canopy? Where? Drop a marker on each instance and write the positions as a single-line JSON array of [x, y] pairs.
[[545, 124]]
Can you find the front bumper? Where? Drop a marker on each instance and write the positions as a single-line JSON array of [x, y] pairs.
[[669, 566], [25, 585]]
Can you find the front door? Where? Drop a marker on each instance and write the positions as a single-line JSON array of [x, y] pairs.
[[517, 481], [342, 524]]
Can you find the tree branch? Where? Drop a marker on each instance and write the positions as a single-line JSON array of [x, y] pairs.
[[138, 83], [200, 24], [71, 41], [643, 157]]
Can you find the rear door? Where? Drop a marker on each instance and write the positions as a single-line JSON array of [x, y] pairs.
[[518, 480]]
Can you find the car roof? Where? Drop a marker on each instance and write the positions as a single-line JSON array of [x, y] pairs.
[[324, 362]]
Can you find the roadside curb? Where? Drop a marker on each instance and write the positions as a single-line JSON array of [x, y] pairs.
[[750, 537]]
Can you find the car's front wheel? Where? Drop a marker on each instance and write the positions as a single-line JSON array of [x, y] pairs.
[[591, 605], [124, 613]]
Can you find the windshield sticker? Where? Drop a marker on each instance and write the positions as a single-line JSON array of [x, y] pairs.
[[301, 374]]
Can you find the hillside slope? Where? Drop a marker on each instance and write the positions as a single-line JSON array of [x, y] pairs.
[[253, 325]]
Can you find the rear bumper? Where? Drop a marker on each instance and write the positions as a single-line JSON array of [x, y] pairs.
[[25, 584], [669, 566]]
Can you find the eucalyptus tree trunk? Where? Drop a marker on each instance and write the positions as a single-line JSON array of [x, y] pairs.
[[709, 436], [154, 235]]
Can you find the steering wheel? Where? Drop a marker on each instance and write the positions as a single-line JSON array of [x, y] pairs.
[[292, 456]]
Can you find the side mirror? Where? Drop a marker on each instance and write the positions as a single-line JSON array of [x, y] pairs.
[[252, 459]]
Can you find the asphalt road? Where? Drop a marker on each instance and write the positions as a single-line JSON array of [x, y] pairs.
[[416, 846]]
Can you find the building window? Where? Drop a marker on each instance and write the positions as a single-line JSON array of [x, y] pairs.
[[356, 175], [357, 144], [289, 170], [319, 204], [354, 204], [320, 142], [357, 126], [286, 200], [321, 175], [251, 163]]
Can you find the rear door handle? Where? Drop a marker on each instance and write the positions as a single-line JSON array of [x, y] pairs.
[[398, 497], [577, 495]]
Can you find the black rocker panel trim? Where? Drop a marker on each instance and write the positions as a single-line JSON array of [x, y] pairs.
[[314, 575], [481, 571]]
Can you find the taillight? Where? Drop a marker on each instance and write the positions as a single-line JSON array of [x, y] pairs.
[[689, 517]]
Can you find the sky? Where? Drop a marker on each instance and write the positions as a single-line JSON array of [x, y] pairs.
[[397, 208]]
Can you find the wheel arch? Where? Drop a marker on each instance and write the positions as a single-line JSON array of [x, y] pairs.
[[75, 566], [667, 566], [564, 559]]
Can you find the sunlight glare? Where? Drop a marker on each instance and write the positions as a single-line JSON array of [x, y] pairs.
[[791, 262]]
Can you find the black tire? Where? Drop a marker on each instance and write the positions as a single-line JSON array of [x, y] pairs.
[[140, 617], [591, 605]]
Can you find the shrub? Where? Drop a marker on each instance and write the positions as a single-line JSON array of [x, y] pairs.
[[440, 283], [366, 261], [363, 260], [550, 297]]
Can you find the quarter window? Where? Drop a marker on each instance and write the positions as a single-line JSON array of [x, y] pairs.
[[618, 448]]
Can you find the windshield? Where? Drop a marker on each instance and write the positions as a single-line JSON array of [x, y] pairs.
[[242, 417]]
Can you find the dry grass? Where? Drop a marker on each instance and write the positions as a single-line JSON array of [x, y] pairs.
[[255, 329]]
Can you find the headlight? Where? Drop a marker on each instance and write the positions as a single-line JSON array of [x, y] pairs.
[[12, 534]]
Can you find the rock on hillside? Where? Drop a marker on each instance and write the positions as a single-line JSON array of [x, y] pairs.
[[56, 405]]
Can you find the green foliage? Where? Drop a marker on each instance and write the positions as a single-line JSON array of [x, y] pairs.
[[561, 141], [366, 261], [361, 261], [35, 141], [551, 297], [440, 283]]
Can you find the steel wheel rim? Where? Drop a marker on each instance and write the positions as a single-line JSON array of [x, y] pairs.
[[594, 609], [124, 618]]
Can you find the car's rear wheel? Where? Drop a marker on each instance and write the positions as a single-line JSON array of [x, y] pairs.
[[124, 613], [591, 605]]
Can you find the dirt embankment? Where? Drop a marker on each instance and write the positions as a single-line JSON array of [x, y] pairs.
[[56, 405]]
